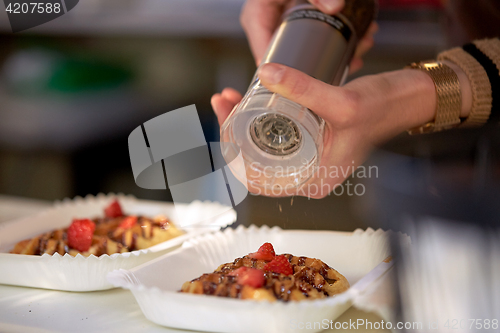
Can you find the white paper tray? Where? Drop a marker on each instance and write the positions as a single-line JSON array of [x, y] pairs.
[[30, 310], [155, 284], [89, 273]]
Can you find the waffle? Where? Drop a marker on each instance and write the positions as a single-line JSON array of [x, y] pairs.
[[108, 237], [311, 279]]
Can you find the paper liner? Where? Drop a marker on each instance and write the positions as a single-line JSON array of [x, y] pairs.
[[380, 298], [89, 273], [155, 284]]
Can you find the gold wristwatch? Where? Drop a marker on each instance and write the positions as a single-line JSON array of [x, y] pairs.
[[448, 94]]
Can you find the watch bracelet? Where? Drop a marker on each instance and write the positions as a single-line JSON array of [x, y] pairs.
[[482, 91], [448, 97]]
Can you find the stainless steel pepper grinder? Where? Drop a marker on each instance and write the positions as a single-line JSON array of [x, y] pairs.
[[280, 141]]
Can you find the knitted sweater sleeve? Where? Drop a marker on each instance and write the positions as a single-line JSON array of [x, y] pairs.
[[480, 60]]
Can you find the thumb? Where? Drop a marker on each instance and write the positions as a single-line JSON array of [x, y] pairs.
[[302, 88]]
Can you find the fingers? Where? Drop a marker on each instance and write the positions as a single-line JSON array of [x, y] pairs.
[[372, 29], [356, 65], [231, 95], [364, 45], [222, 107], [305, 90], [329, 6], [357, 62], [224, 103], [259, 19]]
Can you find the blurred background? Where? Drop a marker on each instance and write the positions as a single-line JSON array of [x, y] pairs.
[[72, 90]]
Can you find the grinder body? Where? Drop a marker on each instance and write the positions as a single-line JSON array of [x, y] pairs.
[[279, 141]]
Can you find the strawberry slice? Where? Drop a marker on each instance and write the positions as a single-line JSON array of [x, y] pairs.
[[80, 234], [238, 271], [249, 276], [265, 252], [128, 222], [113, 210], [280, 265]]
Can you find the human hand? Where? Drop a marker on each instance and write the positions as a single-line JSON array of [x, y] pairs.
[[260, 18], [363, 113]]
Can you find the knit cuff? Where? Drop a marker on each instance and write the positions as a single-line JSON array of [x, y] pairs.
[[491, 49], [481, 87]]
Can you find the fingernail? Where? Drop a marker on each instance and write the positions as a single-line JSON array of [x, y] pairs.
[[332, 5], [271, 73]]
